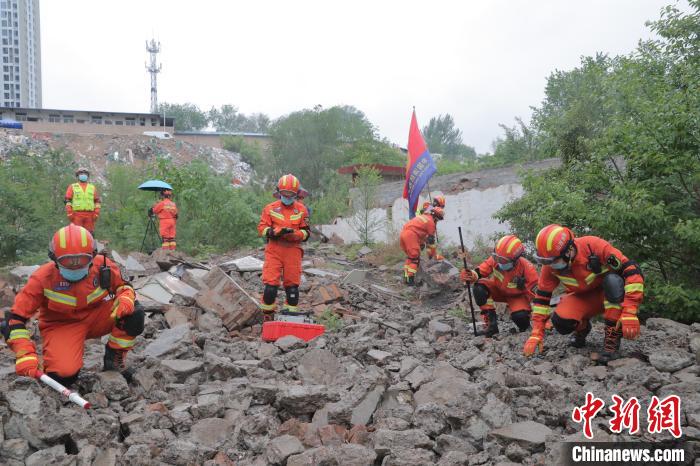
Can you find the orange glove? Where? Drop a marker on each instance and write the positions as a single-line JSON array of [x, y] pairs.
[[123, 306], [27, 361], [536, 340], [468, 276], [629, 323]]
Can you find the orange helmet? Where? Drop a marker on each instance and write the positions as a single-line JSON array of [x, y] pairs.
[[289, 183], [553, 242], [438, 213], [72, 247], [508, 249], [439, 201]]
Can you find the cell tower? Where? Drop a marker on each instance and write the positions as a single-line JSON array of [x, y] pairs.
[[153, 48]]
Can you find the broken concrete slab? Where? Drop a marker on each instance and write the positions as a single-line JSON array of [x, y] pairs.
[[321, 273], [176, 315], [155, 292], [175, 286], [243, 264], [362, 413], [363, 251], [526, 431], [281, 448], [378, 355], [167, 341], [355, 277], [23, 272]]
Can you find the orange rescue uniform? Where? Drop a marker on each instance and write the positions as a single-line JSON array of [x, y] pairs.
[[166, 210], [584, 296], [70, 313], [503, 284], [82, 218], [283, 255], [416, 233]]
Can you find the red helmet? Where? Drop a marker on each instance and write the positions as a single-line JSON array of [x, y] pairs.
[[553, 242], [439, 201], [508, 249], [438, 213], [72, 247], [289, 183]]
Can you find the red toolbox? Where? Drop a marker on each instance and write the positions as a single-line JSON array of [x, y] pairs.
[[277, 329]]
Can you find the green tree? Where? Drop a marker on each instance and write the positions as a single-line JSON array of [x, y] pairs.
[[227, 118], [312, 143], [364, 201], [188, 117], [626, 130], [443, 138]]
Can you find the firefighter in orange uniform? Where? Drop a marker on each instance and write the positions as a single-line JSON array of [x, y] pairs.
[[74, 304], [415, 235], [598, 279], [166, 210], [83, 202], [284, 225], [507, 277]]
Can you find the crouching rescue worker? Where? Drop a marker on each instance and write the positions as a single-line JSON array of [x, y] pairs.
[[438, 201], [598, 279], [416, 234], [284, 225], [83, 202], [77, 296], [166, 210], [507, 277]]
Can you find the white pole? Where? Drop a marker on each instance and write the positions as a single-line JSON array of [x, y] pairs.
[[71, 395]]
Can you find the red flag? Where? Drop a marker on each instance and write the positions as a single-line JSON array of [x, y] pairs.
[[419, 167]]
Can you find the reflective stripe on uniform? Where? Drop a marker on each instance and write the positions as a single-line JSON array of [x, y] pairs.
[[632, 287], [122, 342], [305, 234], [609, 305], [267, 307], [498, 275], [423, 218], [544, 310], [62, 237], [25, 358], [83, 200], [589, 279], [18, 333], [490, 302], [291, 308], [512, 285], [264, 232], [277, 215], [119, 289], [61, 298], [295, 216], [570, 281], [95, 295]]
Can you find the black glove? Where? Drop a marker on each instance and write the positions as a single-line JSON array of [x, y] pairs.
[[519, 282]]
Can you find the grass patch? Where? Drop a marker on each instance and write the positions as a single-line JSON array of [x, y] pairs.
[[330, 320]]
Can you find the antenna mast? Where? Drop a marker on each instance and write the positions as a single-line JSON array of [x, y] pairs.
[[153, 68]]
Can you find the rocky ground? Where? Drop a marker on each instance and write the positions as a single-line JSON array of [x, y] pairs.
[[398, 379]]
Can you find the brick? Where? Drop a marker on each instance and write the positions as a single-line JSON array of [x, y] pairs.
[[332, 434], [328, 294]]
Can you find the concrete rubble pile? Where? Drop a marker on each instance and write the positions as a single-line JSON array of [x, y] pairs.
[[398, 380]]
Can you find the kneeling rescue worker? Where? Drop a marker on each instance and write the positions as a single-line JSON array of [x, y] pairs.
[[284, 225], [507, 277], [415, 235], [78, 296], [598, 279], [166, 210]]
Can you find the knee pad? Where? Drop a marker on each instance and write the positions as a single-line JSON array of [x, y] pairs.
[[270, 294], [292, 295], [614, 288], [65, 381], [133, 324], [521, 319], [563, 326], [481, 293]]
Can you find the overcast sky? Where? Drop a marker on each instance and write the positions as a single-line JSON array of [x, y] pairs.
[[484, 62]]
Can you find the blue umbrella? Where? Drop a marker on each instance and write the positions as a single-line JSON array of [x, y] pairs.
[[155, 185]]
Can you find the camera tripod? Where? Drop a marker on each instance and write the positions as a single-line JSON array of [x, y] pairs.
[[150, 228]]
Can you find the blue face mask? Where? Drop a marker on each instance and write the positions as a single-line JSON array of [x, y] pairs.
[[505, 267], [287, 200], [83, 177], [73, 275]]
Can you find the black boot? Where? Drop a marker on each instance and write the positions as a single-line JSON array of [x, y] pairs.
[[491, 323], [410, 280], [114, 360], [611, 342], [578, 338]]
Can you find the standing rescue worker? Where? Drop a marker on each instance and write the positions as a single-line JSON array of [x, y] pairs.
[[598, 279], [166, 210], [83, 202], [507, 277], [415, 235], [284, 225], [78, 296]]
